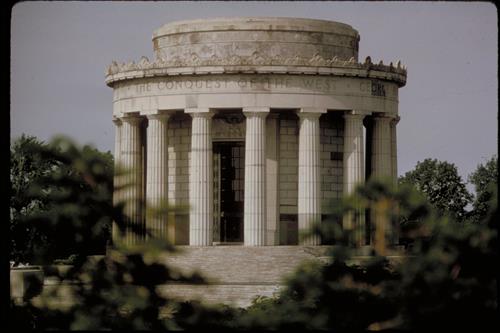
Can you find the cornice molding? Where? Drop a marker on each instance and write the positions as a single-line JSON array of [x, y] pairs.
[[256, 63]]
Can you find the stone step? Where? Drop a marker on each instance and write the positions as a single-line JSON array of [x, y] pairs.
[[238, 274], [239, 295], [244, 264]]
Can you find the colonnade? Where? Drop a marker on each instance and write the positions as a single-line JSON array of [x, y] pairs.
[[128, 155]]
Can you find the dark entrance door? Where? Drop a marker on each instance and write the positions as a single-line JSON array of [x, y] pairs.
[[229, 169]]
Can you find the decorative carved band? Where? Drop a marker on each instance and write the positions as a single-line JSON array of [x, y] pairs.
[[256, 59]]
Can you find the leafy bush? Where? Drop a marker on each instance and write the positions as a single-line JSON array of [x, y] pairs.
[[59, 190], [485, 181], [441, 184], [447, 281], [116, 291]]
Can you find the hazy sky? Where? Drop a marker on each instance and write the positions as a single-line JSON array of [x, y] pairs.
[[448, 108]]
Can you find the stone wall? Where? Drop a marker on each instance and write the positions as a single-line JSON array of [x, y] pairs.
[[288, 177], [237, 274], [331, 141], [179, 146], [251, 40], [332, 147]]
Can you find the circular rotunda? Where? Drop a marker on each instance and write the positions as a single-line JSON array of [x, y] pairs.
[[255, 124]]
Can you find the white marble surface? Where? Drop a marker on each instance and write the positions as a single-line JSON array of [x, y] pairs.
[[267, 68]]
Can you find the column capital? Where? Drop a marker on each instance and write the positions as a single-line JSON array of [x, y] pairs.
[[197, 110], [256, 109], [309, 115], [273, 115], [382, 117], [132, 119], [310, 112], [350, 116], [356, 114], [117, 121], [395, 120], [159, 116], [255, 114]]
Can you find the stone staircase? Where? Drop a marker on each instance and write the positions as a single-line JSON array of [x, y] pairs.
[[237, 274]]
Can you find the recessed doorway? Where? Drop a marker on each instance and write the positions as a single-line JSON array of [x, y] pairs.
[[229, 172]]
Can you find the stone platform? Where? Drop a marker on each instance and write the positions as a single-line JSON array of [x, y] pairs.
[[237, 274]]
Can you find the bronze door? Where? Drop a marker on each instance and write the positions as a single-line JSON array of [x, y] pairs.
[[229, 169]]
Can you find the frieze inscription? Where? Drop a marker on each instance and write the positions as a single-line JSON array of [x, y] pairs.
[[254, 84], [262, 83], [378, 88]]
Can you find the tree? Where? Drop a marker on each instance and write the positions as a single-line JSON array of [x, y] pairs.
[[442, 186], [446, 283], [26, 168], [449, 283], [34, 166], [119, 290], [342, 295], [485, 180]]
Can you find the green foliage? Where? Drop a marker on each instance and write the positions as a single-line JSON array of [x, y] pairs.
[[341, 295], [450, 282], [442, 186], [24, 316], [66, 190], [118, 291], [447, 281], [26, 168], [194, 315], [337, 296], [485, 181]]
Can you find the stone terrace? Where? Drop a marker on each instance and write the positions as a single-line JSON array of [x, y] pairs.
[[237, 274]]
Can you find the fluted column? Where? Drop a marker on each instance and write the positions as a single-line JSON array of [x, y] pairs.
[[395, 231], [381, 147], [201, 179], [131, 157], [116, 177], [157, 174], [309, 187], [354, 172], [385, 233], [255, 177], [394, 150]]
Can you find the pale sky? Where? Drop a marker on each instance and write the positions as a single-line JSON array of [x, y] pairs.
[[448, 108]]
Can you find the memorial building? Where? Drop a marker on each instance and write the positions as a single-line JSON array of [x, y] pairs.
[[255, 124]]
